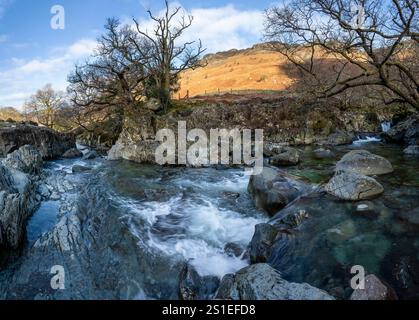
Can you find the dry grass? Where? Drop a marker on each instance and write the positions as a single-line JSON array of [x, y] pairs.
[[246, 70]]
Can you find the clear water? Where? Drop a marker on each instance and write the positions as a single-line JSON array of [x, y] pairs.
[[42, 221]]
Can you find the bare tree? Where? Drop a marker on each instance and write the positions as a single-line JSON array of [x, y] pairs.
[[170, 57], [372, 43], [44, 105]]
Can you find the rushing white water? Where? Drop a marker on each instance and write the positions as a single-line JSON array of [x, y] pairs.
[[197, 228], [366, 140]]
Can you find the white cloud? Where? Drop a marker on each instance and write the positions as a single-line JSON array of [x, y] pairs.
[[221, 28], [24, 77]]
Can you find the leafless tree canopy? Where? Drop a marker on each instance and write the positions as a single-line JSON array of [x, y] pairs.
[[44, 104], [374, 43]]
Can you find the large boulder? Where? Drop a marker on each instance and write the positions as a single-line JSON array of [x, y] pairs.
[[349, 185], [49, 143], [365, 163], [27, 159], [405, 132], [273, 189], [374, 289], [262, 282], [17, 203], [262, 241], [286, 157]]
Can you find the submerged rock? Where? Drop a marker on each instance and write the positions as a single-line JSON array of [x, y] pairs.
[[323, 154], [80, 169], [349, 185], [262, 282], [273, 189], [364, 162], [27, 159], [374, 289], [72, 153]]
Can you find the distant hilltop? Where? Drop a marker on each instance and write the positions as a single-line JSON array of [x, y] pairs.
[[10, 113], [257, 68]]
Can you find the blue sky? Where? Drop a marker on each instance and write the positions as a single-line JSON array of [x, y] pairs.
[[33, 54]]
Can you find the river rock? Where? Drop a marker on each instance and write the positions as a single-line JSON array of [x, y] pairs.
[[339, 138], [72, 153], [80, 169], [412, 151], [286, 157], [262, 282], [374, 289], [49, 143], [349, 185], [194, 287], [321, 154], [262, 241], [17, 202], [141, 152], [405, 132], [364, 162], [27, 159], [90, 155], [273, 189], [233, 249]]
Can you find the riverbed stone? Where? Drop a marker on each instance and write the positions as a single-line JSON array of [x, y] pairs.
[[286, 157], [322, 153], [412, 150], [374, 289], [262, 241], [262, 282], [349, 185], [273, 189], [364, 162], [27, 159], [72, 153]]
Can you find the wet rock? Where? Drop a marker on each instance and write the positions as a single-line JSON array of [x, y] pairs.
[[273, 189], [374, 289], [43, 191], [233, 250], [262, 241], [405, 132], [412, 150], [194, 287], [17, 203], [349, 185], [141, 152], [410, 216], [262, 282], [80, 169], [367, 209], [27, 159], [90, 155], [339, 138], [49, 143], [286, 157], [364, 162], [72, 153], [231, 195], [321, 154]]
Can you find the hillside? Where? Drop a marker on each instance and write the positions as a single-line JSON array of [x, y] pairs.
[[256, 68], [7, 113]]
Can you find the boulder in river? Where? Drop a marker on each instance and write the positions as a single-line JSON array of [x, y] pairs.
[[405, 132], [90, 155], [27, 159], [17, 202], [262, 241], [273, 189], [286, 157], [374, 289], [412, 151], [194, 287], [49, 143], [322, 153], [365, 163], [349, 185], [338, 139], [262, 282], [72, 153]]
